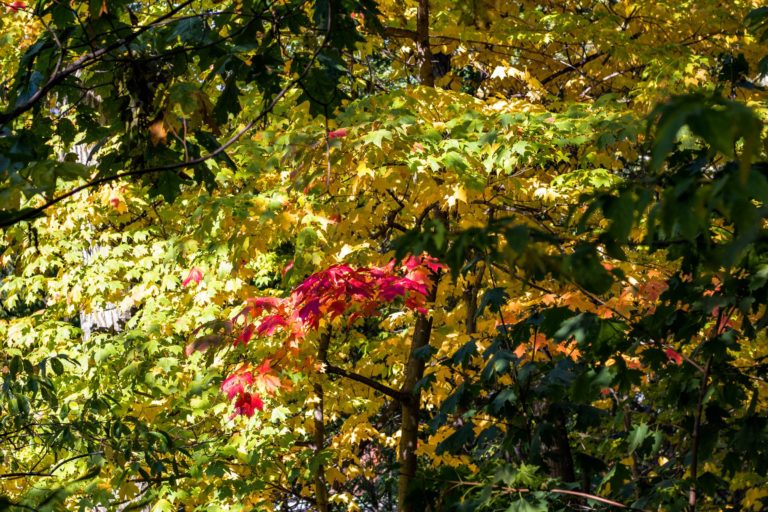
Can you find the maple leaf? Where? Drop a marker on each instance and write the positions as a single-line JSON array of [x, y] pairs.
[[310, 312], [246, 335], [235, 384], [269, 324], [267, 383], [392, 291], [257, 305], [674, 356], [248, 403], [337, 308], [195, 274], [264, 367], [337, 134]]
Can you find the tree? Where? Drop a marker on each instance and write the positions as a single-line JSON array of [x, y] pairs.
[[384, 257]]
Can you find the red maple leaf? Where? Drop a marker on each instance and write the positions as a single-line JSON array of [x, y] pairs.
[[269, 324], [235, 384], [248, 403], [246, 335], [674, 356], [195, 274], [264, 367], [337, 308], [337, 134], [310, 312]]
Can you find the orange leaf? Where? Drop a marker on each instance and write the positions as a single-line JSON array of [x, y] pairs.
[[674, 356]]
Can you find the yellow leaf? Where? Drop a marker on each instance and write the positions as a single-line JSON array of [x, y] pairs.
[[158, 133]]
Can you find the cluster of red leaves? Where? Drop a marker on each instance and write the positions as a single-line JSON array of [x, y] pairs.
[[336, 291], [15, 6], [247, 384], [329, 294]]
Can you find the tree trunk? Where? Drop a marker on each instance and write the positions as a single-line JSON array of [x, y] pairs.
[[321, 486], [423, 50], [559, 451], [409, 429], [470, 299]]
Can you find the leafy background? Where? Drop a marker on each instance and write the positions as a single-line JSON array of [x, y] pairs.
[[591, 175]]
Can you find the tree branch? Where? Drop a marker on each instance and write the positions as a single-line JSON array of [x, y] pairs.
[[572, 67], [378, 386], [50, 471]]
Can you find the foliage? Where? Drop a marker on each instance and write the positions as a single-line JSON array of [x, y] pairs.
[[383, 255]]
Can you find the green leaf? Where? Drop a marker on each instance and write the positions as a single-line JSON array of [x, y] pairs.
[[56, 365], [377, 136], [637, 437], [15, 366], [523, 505], [493, 299]]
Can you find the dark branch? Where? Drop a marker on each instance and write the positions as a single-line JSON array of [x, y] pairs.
[[572, 67], [50, 471], [378, 386]]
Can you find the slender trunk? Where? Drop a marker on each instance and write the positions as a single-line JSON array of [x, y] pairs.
[[423, 50], [470, 298], [562, 455], [409, 429], [321, 486], [692, 495]]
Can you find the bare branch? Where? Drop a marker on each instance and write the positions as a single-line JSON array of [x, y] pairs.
[[378, 386]]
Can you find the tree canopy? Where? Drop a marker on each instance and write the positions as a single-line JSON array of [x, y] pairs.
[[373, 255]]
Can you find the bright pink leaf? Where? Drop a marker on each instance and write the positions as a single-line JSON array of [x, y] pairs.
[[235, 384], [195, 274], [337, 134], [310, 312]]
